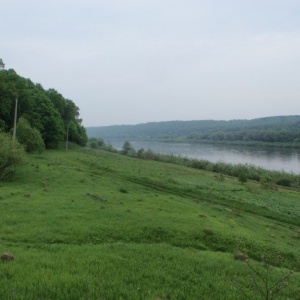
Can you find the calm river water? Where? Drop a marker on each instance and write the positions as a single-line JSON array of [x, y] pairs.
[[282, 159]]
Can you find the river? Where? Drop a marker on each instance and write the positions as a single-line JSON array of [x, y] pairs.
[[281, 159]]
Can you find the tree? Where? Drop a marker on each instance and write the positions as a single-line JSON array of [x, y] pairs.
[[49, 112], [70, 112], [7, 99], [46, 119], [30, 137], [128, 149], [12, 155], [2, 65], [96, 143]]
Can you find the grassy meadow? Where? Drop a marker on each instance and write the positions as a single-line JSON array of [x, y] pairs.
[[91, 224]]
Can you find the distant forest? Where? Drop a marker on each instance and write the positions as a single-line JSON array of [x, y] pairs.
[[45, 110], [280, 129]]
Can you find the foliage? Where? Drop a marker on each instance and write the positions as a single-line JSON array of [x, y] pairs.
[[29, 137], [2, 65], [47, 111], [99, 143], [96, 143], [12, 155], [128, 149]]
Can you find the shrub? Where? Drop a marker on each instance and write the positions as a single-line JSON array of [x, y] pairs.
[[128, 149], [29, 137], [243, 177], [141, 153], [12, 155]]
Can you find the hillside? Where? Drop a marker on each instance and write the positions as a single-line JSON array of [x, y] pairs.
[[90, 224], [281, 129]]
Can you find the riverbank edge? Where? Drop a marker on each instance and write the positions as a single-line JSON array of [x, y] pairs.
[[268, 178]]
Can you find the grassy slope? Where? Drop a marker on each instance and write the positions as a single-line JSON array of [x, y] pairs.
[[97, 225]]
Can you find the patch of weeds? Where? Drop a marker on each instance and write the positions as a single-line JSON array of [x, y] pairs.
[[263, 281], [96, 197], [5, 257], [221, 249], [122, 190], [240, 256], [208, 231], [296, 236]]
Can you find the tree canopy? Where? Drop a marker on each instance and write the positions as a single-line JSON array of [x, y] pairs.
[[47, 111]]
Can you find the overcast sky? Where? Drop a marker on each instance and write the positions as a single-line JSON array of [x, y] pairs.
[[137, 61]]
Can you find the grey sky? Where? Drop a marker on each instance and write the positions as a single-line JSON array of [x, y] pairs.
[[130, 61]]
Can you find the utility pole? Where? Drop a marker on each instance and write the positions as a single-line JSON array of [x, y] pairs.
[[67, 136], [15, 120]]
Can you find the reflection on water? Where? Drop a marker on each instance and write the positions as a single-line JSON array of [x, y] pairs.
[[282, 159]]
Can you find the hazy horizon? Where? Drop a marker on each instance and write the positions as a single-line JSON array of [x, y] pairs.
[[149, 122]]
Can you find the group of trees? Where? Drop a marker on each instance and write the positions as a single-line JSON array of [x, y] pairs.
[[266, 136], [281, 129], [44, 116], [44, 119]]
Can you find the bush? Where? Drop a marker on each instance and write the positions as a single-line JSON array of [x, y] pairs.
[[243, 177], [29, 137], [12, 155], [128, 149]]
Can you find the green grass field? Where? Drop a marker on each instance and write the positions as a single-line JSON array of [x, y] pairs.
[[98, 225]]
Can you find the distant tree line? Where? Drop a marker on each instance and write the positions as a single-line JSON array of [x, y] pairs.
[[45, 117], [281, 129], [266, 136]]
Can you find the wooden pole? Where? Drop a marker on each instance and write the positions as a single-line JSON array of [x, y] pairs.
[[67, 137], [15, 120]]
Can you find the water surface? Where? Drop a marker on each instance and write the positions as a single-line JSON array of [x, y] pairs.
[[281, 159]]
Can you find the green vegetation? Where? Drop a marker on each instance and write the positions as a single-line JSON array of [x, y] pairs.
[[47, 112], [29, 137], [269, 179], [12, 155], [93, 224], [271, 131]]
